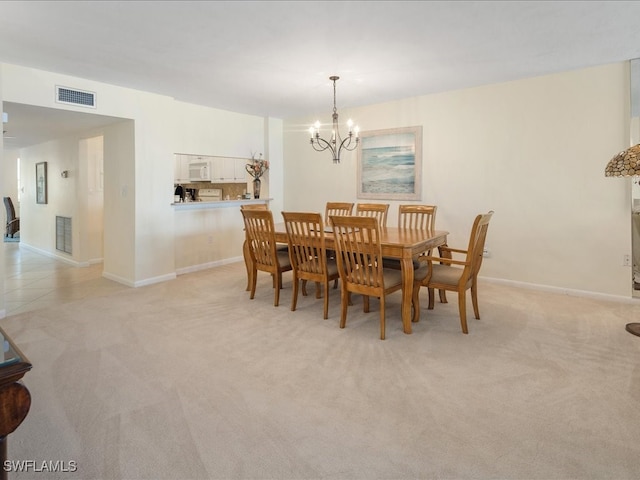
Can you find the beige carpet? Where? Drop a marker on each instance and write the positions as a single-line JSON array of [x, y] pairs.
[[189, 379]]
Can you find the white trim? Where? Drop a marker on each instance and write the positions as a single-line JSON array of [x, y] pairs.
[[562, 291], [140, 283], [205, 266], [64, 259]]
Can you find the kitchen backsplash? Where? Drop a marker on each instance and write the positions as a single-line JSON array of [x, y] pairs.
[[233, 190]]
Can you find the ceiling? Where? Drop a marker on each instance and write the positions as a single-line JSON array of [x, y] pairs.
[[274, 58]]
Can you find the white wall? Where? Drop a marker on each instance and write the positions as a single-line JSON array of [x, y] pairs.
[[138, 162], [534, 151]]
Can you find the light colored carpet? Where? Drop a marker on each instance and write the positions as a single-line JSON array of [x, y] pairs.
[[190, 379]]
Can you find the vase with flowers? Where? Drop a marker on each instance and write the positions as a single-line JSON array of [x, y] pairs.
[[256, 168]]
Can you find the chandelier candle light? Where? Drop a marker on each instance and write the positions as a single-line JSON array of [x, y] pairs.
[[336, 144]]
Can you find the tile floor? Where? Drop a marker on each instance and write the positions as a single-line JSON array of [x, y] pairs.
[[33, 281]]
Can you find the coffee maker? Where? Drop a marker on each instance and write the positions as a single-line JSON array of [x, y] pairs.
[[179, 192], [190, 194]]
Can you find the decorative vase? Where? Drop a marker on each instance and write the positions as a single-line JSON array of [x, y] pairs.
[[256, 188]]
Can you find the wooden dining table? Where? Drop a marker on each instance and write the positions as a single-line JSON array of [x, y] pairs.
[[404, 244]]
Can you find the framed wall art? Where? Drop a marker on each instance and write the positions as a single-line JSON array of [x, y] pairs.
[[41, 182], [390, 164]]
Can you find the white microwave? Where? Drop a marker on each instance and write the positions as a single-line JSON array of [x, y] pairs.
[[200, 172]]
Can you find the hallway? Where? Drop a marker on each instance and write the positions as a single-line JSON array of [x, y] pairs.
[[34, 281]]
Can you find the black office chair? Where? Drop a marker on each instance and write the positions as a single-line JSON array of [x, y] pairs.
[[13, 222]]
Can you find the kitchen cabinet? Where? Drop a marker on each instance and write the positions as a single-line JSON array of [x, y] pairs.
[[228, 170], [181, 172], [223, 169]]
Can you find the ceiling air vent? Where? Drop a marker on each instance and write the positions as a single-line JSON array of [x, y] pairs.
[[75, 97]]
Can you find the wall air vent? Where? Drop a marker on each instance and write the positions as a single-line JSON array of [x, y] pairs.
[[72, 96]]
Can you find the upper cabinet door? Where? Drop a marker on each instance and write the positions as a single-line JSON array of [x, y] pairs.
[[181, 172]]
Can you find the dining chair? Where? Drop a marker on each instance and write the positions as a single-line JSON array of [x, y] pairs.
[[448, 273], [264, 254], [378, 210], [308, 254], [254, 206], [245, 251], [420, 217], [359, 255], [337, 208]]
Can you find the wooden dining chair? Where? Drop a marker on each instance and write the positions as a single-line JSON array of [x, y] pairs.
[[245, 250], [422, 217], [308, 254], [254, 206], [359, 254], [264, 254], [337, 208], [419, 217], [448, 273], [377, 210]]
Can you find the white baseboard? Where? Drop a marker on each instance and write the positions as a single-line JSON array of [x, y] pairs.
[[141, 283], [205, 266], [562, 291], [62, 258]]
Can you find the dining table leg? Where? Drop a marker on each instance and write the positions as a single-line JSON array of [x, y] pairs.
[[407, 292]]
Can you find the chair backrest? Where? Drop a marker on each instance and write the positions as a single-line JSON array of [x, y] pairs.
[[377, 210], [254, 206], [359, 253], [422, 217], [11, 212], [260, 233], [476, 243], [337, 208], [305, 233]]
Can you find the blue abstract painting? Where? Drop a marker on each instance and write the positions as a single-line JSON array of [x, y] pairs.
[[389, 162]]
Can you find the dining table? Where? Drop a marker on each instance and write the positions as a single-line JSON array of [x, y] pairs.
[[403, 244]]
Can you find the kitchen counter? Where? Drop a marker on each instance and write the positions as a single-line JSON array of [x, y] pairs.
[[218, 204]]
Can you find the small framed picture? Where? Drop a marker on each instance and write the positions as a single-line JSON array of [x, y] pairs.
[[41, 182]]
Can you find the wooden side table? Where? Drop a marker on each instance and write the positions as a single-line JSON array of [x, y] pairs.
[[15, 399]]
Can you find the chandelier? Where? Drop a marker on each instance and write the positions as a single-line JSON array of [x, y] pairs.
[[336, 144]]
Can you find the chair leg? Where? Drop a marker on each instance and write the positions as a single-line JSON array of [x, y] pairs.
[[318, 290], [462, 307], [247, 262], [278, 279], [431, 299], [326, 299], [365, 303], [382, 322], [253, 278], [304, 288], [344, 300], [443, 296], [474, 299], [294, 294]]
